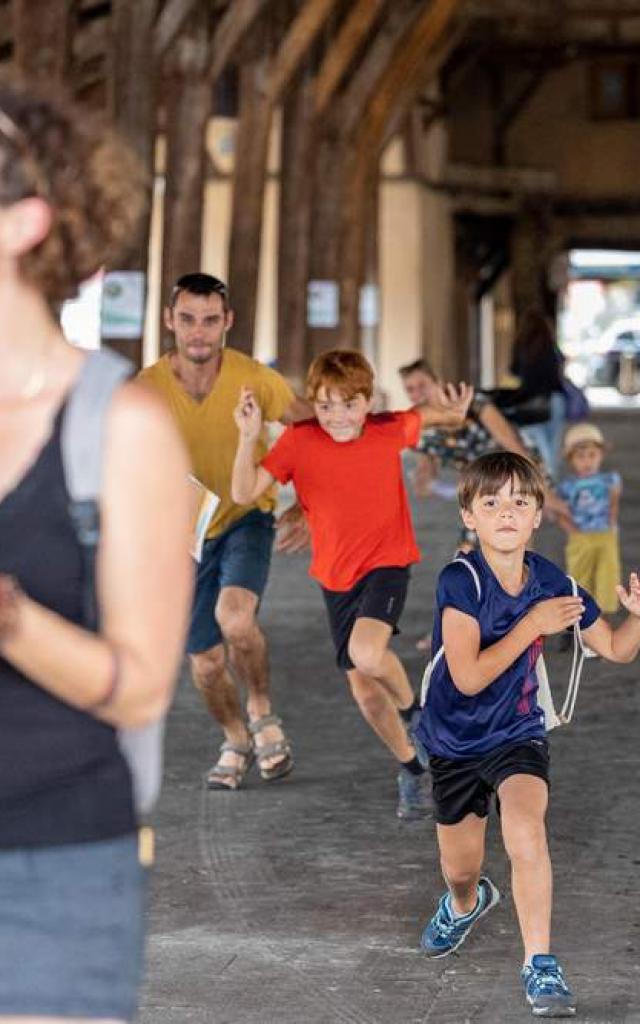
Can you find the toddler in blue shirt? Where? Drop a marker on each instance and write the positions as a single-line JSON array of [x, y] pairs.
[[593, 551]]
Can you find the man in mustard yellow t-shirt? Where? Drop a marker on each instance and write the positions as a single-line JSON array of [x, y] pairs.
[[201, 380]]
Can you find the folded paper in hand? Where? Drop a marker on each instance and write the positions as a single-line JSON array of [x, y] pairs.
[[204, 504]]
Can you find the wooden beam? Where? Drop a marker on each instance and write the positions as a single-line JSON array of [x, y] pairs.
[[232, 27], [300, 36], [365, 81], [171, 20], [42, 38], [343, 50]]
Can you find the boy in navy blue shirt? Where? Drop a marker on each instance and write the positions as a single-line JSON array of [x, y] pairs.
[[482, 725]]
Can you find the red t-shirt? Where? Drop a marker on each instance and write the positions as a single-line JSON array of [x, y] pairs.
[[352, 493]]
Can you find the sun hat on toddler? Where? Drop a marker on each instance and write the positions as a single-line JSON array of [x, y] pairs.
[[582, 433]]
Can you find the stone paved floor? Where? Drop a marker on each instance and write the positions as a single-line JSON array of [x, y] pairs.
[[301, 902]]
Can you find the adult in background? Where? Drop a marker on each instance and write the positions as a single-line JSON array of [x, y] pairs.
[[538, 363], [200, 380], [484, 429], [71, 882]]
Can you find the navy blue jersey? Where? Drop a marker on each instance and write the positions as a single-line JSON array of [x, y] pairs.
[[454, 725]]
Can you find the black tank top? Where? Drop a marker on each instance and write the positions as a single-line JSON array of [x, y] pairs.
[[62, 776]]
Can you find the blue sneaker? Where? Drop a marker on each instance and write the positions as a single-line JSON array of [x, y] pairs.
[[444, 933], [413, 796], [546, 990]]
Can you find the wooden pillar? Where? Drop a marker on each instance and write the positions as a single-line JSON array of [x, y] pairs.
[[324, 263], [188, 107], [251, 148], [529, 258], [294, 237], [133, 106], [264, 80], [426, 42]]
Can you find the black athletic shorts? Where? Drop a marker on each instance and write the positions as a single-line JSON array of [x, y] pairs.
[[466, 786], [380, 594]]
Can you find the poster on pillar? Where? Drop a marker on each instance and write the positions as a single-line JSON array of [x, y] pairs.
[[323, 304], [123, 298]]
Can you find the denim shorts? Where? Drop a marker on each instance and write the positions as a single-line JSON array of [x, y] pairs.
[[72, 930], [239, 557]]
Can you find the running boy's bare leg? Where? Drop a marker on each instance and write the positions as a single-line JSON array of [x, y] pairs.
[[461, 856], [379, 710], [523, 800], [379, 684]]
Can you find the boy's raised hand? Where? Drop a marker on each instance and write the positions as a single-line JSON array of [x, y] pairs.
[[556, 613], [248, 416], [630, 599]]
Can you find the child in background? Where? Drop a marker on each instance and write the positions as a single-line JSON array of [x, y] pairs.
[[593, 496], [346, 469], [482, 725]]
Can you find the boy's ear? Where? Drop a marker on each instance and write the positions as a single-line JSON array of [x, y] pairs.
[[468, 518], [538, 519]]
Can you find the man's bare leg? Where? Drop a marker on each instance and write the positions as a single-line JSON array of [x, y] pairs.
[[218, 689], [236, 615]]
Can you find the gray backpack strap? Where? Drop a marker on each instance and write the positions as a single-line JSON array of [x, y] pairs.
[[84, 424], [82, 444]]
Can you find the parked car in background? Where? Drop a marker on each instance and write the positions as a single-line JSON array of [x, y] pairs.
[[615, 358]]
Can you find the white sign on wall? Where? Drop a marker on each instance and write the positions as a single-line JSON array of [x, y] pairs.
[[123, 302], [323, 304]]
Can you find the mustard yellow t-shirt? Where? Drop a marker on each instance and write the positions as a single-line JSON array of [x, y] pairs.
[[209, 429]]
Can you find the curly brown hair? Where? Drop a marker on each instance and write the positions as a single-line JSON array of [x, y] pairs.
[[96, 188]]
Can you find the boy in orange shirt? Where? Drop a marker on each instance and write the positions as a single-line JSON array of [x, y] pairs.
[[345, 466]]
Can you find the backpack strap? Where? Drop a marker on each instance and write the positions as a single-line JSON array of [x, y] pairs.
[[577, 664], [426, 678], [82, 444]]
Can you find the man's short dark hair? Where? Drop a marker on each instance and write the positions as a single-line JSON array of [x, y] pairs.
[[200, 284], [488, 473], [417, 366]]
